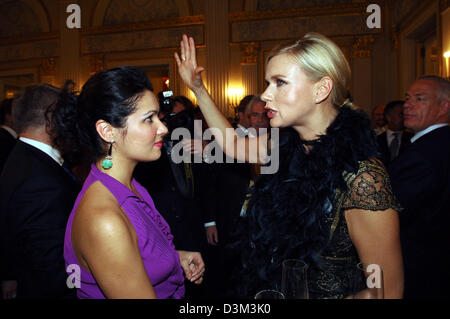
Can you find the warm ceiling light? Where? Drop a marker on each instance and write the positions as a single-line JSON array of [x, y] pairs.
[[447, 54]]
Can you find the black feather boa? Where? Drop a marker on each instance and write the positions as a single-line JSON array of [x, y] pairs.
[[287, 210]]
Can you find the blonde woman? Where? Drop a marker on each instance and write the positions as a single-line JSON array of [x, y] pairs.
[[330, 203]]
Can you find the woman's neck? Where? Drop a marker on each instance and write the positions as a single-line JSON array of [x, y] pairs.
[[318, 123], [120, 170]]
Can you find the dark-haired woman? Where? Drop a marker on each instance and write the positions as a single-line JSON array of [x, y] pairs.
[[330, 203], [115, 237]]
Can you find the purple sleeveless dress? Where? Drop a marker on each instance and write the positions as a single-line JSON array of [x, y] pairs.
[[156, 246]]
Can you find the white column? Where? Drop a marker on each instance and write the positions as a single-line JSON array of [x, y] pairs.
[[69, 57], [217, 52], [250, 79]]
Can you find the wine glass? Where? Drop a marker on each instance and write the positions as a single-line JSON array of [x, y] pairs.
[[366, 281], [269, 294], [294, 282]]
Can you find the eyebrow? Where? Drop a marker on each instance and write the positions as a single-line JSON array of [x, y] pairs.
[[277, 76], [149, 112], [417, 94]]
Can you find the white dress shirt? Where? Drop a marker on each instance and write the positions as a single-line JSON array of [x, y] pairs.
[[10, 131], [426, 131], [47, 149], [390, 136]]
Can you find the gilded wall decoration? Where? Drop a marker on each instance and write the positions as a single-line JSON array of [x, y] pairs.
[[287, 4], [404, 8], [249, 53], [362, 48], [47, 67], [131, 11], [96, 63], [139, 40], [23, 51], [17, 18], [296, 27]]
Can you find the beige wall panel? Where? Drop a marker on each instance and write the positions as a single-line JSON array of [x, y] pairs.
[[24, 51], [138, 40], [288, 28]]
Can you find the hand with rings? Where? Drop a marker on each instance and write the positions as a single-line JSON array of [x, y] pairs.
[[189, 72]]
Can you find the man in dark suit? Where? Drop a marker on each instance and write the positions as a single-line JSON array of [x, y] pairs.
[[421, 182], [36, 196], [232, 182], [394, 140], [8, 136]]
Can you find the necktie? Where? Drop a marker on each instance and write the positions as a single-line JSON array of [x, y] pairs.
[[393, 148]]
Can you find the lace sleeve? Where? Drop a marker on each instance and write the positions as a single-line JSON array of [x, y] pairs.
[[370, 188]]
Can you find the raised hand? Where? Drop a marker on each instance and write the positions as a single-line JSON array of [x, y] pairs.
[[187, 64]]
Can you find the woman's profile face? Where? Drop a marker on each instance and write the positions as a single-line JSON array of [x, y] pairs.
[[289, 94], [142, 140]]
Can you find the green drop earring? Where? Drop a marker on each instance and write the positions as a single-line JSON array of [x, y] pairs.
[[107, 162]]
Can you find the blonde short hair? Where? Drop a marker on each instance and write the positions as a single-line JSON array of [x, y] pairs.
[[318, 57]]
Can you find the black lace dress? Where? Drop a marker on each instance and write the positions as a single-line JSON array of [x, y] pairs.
[[299, 211]]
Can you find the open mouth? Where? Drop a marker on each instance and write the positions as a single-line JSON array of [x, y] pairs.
[[271, 113]]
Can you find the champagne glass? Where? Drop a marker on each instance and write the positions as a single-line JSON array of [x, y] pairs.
[[366, 281], [294, 282], [269, 294]]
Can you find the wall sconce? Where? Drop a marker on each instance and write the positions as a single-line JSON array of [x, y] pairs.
[[10, 94], [165, 83], [447, 56], [234, 96]]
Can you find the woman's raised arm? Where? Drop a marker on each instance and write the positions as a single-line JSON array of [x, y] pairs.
[[233, 145]]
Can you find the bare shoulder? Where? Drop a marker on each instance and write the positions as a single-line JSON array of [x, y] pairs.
[[97, 207], [99, 221]]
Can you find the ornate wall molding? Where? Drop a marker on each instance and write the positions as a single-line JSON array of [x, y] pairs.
[[362, 48], [395, 39], [25, 51], [138, 40], [41, 13], [411, 16], [295, 27], [159, 24], [344, 9], [44, 36], [96, 63], [141, 36], [249, 53], [47, 67]]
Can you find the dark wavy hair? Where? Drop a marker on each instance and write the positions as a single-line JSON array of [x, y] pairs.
[[110, 95]]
